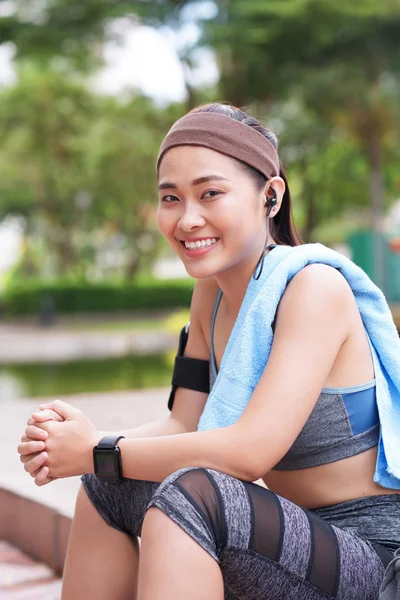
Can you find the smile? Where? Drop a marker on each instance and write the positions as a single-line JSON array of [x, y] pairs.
[[200, 243]]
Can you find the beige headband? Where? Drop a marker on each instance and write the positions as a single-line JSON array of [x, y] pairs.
[[224, 135]]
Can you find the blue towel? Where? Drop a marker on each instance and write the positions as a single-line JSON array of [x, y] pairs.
[[249, 345]]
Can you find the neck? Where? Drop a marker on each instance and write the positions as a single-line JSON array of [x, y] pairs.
[[234, 283]]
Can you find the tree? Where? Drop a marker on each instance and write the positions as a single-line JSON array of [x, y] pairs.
[[80, 168], [73, 32], [121, 152], [73, 29], [42, 119], [339, 60]]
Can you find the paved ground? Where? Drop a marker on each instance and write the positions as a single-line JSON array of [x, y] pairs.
[[21, 578]]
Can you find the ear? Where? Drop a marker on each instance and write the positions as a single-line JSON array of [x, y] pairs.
[[279, 187]]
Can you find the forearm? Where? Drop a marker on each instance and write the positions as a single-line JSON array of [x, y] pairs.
[[162, 427], [153, 459], [69, 448]]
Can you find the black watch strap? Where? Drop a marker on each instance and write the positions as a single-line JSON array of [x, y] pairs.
[[109, 441]]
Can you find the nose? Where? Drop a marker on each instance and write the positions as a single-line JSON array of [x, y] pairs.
[[191, 219]]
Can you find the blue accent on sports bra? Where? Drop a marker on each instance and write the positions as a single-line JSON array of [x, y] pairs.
[[360, 405]]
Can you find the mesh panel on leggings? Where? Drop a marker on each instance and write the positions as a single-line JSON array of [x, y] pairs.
[[199, 489], [324, 567], [268, 522]]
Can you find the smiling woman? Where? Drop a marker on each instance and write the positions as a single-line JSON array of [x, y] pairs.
[[279, 376], [216, 198]]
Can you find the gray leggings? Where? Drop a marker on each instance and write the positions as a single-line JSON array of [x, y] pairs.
[[266, 546]]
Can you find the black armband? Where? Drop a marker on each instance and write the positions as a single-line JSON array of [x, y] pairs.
[[191, 373]]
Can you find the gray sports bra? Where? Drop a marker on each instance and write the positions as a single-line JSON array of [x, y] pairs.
[[344, 422]]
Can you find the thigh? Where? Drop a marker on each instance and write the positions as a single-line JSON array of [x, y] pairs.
[[292, 553], [122, 506], [91, 570], [267, 546]]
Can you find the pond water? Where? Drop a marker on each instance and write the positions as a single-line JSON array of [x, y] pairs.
[[57, 379]]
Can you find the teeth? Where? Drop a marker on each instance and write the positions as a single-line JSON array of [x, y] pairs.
[[200, 244]]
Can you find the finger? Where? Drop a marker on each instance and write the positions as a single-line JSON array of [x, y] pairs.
[[31, 447], [36, 433], [36, 462], [28, 457], [25, 438], [48, 404], [34, 474], [66, 411], [43, 477], [44, 415]]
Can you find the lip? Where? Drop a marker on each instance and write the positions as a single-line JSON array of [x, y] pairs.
[[197, 251]]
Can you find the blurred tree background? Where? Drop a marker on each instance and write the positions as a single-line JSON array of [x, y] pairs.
[[78, 166]]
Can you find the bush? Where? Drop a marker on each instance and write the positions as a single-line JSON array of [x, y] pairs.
[[84, 297]]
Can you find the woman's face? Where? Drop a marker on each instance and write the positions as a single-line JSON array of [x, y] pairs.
[[210, 210]]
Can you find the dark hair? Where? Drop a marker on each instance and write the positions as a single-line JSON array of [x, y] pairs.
[[282, 226]]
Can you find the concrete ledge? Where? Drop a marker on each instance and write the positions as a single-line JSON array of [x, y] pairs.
[[38, 530]]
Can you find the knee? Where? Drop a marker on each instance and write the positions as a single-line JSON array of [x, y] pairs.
[[155, 520], [177, 475], [192, 496]]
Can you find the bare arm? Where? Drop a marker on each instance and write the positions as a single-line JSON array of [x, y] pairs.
[[167, 426]]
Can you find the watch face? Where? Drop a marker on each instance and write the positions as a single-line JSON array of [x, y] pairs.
[[107, 464]]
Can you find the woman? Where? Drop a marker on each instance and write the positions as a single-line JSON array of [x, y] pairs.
[[324, 528]]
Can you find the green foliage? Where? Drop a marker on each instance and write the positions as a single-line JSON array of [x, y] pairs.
[[43, 120], [326, 72], [73, 29], [69, 297], [80, 168]]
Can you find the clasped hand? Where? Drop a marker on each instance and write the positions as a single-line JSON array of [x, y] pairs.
[[58, 442]]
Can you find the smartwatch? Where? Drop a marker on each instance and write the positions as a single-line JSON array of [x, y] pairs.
[[107, 459]]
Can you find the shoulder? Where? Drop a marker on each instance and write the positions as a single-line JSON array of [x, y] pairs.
[[316, 293], [319, 281]]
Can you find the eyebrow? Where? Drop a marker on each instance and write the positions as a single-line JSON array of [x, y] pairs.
[[198, 181]]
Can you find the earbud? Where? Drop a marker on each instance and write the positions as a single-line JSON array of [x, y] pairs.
[[271, 202]]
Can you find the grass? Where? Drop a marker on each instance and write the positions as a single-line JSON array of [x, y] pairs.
[[158, 323]]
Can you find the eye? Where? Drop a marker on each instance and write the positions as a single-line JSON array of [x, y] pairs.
[[169, 198], [212, 194]]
